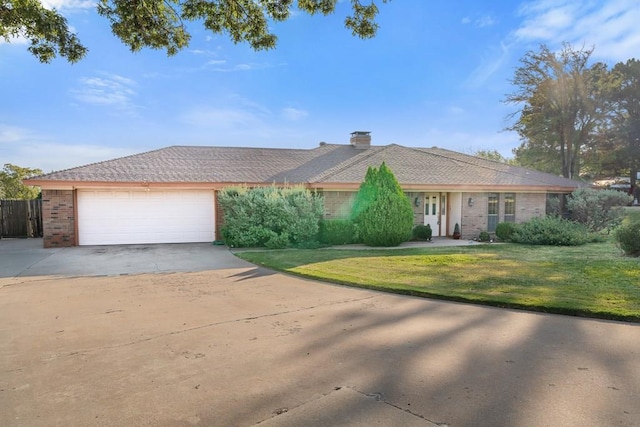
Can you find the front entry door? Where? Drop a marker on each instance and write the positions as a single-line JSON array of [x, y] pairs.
[[432, 212]]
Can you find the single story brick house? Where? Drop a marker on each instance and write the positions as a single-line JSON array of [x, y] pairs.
[[169, 195]]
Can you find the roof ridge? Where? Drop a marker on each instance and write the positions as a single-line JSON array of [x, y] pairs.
[[243, 148], [507, 167], [104, 161], [349, 162]]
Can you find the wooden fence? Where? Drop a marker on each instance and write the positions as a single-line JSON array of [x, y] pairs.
[[21, 218]]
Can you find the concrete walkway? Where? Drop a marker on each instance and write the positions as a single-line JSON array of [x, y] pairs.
[[244, 346]]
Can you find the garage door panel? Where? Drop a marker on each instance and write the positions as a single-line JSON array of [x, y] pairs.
[[129, 217]]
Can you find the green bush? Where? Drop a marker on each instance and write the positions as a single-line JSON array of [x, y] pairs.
[[505, 230], [422, 232], [628, 238], [256, 216], [598, 210], [484, 236], [382, 213], [553, 231], [277, 241], [337, 232]]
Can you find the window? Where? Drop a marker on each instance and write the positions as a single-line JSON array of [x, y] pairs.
[[492, 212], [443, 205], [510, 207]]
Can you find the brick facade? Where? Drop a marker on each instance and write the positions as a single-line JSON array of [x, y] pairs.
[[475, 219], [58, 218], [337, 204], [219, 216], [418, 211]]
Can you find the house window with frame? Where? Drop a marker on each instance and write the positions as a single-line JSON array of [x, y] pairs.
[[509, 207], [492, 212]]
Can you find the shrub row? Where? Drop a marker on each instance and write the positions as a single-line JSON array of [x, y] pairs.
[[598, 210], [549, 230], [337, 232], [269, 216]]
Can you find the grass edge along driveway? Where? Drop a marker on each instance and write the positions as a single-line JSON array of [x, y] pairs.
[[593, 280]]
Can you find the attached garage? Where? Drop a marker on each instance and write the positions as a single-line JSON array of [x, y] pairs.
[[114, 217]]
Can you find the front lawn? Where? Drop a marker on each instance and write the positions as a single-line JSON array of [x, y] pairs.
[[592, 280]]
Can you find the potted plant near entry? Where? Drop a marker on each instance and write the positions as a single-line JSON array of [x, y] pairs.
[[456, 231]]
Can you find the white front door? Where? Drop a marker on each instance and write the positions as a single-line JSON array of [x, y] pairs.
[[432, 212]]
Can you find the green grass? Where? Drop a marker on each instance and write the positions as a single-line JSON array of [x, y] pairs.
[[632, 214], [593, 280]]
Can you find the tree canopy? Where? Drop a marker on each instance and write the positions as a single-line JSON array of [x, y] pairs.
[[577, 118], [560, 100], [626, 118], [11, 186], [162, 24], [495, 156]]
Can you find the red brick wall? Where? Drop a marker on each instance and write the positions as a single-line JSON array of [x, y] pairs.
[[58, 218], [337, 204], [474, 218], [219, 213]]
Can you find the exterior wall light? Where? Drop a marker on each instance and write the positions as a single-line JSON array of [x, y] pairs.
[[417, 201], [470, 201]]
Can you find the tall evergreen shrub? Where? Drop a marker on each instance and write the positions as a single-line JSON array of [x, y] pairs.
[[382, 213]]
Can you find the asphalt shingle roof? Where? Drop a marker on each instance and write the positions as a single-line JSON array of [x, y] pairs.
[[328, 163]]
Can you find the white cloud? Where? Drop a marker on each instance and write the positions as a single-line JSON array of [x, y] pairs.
[[485, 21], [222, 67], [611, 26], [108, 90], [11, 134], [30, 148], [455, 110], [68, 4], [481, 22], [236, 116], [225, 118], [294, 114], [494, 61]]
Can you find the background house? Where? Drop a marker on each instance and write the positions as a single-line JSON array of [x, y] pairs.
[[169, 195]]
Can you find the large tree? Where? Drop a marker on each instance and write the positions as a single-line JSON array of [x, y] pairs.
[[559, 96], [11, 186], [161, 24], [626, 118], [495, 156]]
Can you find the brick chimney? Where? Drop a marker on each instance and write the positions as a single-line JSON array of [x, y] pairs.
[[361, 140]]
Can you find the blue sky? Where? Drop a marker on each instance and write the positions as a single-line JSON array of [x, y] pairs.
[[435, 75]]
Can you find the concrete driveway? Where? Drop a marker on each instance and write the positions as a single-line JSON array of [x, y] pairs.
[[27, 258], [243, 346]]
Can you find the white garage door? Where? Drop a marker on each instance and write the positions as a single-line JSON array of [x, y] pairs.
[[110, 217]]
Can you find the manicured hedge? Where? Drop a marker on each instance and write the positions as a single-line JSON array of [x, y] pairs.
[[337, 232]]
